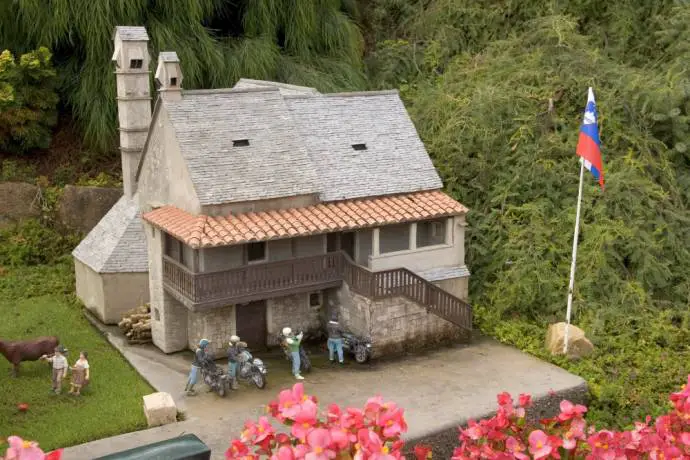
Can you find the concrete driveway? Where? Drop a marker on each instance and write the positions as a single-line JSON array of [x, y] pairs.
[[440, 390]]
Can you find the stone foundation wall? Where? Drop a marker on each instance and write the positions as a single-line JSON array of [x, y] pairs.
[[292, 311], [216, 325], [394, 325]]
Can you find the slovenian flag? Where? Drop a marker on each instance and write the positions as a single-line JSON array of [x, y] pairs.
[[589, 145]]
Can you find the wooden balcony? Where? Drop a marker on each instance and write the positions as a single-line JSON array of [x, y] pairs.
[[200, 291]]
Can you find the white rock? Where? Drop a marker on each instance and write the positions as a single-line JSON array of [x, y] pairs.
[[160, 409]]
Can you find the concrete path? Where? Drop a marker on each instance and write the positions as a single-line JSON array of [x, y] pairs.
[[439, 390]]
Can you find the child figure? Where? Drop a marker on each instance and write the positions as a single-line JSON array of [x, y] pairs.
[[80, 374]]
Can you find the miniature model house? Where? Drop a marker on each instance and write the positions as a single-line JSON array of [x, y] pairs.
[[268, 205]]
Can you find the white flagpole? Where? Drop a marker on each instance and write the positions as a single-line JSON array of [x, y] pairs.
[[572, 264]]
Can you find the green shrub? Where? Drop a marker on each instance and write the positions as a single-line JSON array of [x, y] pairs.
[[32, 243], [27, 101]]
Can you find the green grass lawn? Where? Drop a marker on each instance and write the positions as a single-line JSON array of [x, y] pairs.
[[37, 301]]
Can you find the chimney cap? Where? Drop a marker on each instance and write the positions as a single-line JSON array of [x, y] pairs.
[[131, 33], [168, 56]]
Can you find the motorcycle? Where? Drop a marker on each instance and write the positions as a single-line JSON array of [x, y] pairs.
[[251, 369], [358, 347], [214, 377], [304, 361]]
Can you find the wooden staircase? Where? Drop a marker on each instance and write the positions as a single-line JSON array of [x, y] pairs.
[[405, 283]]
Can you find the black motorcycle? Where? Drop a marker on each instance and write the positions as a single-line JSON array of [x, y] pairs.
[[304, 361], [214, 376], [358, 347]]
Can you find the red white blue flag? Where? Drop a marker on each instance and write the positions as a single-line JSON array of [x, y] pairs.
[[589, 145]]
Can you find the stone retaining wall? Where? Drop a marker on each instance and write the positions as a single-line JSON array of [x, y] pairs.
[[79, 208]]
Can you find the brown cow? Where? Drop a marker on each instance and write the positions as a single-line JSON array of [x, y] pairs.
[[27, 350]]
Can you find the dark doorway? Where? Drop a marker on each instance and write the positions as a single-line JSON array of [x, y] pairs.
[[347, 243], [251, 324]]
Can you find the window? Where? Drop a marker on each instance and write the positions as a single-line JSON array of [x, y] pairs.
[[176, 250], [331, 242], [136, 63], [359, 146], [315, 299], [173, 81], [394, 238], [240, 143], [431, 232], [256, 252]]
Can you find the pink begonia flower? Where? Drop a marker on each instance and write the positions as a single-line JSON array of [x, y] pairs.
[[289, 400], [474, 430], [371, 447], [539, 445], [319, 440], [237, 449], [334, 414], [23, 450], [284, 453], [602, 446], [685, 438], [516, 449], [392, 422], [570, 410], [304, 420], [342, 438], [525, 400], [353, 418], [263, 430]]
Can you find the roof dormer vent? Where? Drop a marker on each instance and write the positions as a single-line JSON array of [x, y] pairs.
[[240, 143], [359, 146]]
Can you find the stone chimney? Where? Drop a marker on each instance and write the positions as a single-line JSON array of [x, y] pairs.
[[131, 58], [169, 76]]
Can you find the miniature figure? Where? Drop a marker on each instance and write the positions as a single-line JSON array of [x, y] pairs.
[[293, 343], [60, 366], [234, 350], [80, 374], [335, 339], [199, 359], [27, 350]]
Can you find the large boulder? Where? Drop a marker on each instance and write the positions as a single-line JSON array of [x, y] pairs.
[[81, 208], [18, 200], [579, 346], [159, 409]]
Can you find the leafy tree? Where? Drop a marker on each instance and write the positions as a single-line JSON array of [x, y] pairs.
[[309, 42], [27, 101]]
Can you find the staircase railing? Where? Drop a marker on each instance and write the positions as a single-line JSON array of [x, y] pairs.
[[405, 283]]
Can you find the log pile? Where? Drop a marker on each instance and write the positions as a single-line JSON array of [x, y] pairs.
[[136, 324]]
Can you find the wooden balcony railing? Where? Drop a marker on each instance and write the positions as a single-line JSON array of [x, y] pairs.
[[274, 279]]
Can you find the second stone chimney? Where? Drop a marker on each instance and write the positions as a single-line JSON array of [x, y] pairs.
[[169, 76], [131, 58]]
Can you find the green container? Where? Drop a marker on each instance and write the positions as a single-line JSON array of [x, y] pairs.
[[186, 447]]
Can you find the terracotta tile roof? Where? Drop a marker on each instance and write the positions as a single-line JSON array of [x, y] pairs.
[[199, 231]]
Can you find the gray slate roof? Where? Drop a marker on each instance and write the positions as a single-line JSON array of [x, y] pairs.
[[117, 243], [395, 160], [168, 56], [444, 273], [132, 33], [275, 164], [300, 143]]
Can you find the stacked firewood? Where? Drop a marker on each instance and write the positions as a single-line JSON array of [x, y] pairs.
[[136, 324]]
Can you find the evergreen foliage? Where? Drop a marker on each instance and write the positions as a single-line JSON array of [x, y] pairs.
[[27, 101], [497, 90], [308, 42]]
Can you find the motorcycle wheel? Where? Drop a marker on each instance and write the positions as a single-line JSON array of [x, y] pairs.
[[259, 380], [361, 354], [305, 362]]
